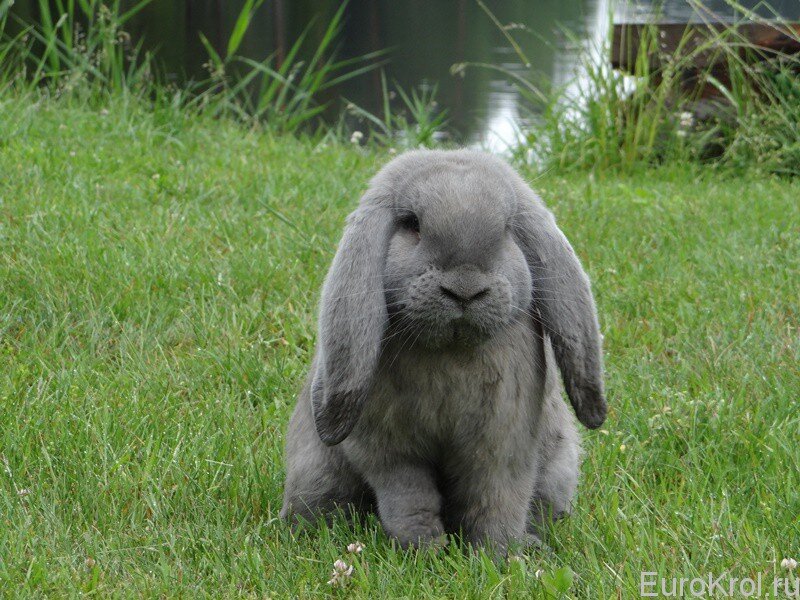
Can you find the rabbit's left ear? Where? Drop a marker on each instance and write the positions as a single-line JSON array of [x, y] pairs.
[[352, 321], [564, 303]]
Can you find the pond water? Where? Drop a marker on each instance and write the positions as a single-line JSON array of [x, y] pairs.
[[425, 39]]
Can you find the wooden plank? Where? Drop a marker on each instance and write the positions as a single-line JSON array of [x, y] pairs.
[[688, 37]]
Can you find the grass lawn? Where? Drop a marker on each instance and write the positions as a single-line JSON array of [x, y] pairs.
[[158, 281]]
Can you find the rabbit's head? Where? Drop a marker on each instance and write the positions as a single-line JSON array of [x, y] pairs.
[[445, 249], [454, 273]]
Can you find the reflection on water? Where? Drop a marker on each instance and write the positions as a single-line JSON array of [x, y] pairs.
[[426, 38], [499, 128]]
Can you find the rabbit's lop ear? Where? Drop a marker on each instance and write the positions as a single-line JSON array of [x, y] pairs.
[[352, 322], [563, 300]]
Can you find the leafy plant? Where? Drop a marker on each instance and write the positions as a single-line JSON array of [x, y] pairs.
[[286, 95], [81, 45], [419, 121], [558, 583], [79, 40]]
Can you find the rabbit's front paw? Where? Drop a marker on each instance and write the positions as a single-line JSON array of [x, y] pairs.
[[420, 530]]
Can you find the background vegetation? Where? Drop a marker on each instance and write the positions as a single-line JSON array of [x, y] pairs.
[[160, 255]]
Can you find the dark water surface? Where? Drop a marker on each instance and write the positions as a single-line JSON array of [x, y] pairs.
[[426, 38]]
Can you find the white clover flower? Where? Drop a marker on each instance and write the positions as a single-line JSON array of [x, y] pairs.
[[356, 137], [687, 119], [789, 563], [341, 573], [355, 548]]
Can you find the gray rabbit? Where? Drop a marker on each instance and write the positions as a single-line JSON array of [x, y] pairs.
[[433, 396]]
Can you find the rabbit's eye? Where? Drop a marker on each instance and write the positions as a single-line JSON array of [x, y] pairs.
[[410, 222]]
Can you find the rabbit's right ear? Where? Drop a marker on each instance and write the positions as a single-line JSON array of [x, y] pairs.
[[352, 321]]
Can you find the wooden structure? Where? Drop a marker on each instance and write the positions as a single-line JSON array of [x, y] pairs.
[[770, 38], [701, 43]]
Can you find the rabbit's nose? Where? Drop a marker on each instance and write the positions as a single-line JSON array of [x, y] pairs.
[[463, 297]]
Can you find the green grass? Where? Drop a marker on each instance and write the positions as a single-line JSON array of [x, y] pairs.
[[158, 280]]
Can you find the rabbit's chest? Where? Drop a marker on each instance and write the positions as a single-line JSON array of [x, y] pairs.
[[437, 400]]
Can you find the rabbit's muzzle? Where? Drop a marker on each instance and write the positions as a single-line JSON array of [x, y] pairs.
[[461, 306]]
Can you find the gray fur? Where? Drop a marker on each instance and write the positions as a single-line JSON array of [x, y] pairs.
[[434, 390]]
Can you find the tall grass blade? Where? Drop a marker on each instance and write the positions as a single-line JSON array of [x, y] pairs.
[[241, 26]]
